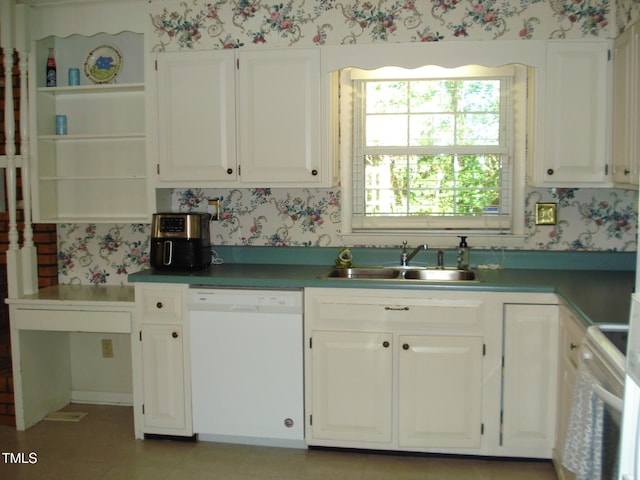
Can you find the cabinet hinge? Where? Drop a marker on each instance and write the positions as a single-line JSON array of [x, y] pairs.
[[606, 169], [482, 429], [158, 168], [484, 349], [140, 335], [310, 419], [237, 64], [156, 65], [608, 55], [239, 170], [143, 408], [310, 342]]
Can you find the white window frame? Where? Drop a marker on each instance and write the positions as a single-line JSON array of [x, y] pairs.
[[497, 222], [451, 55]]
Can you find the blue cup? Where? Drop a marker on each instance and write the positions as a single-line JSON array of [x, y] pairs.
[[74, 76], [61, 124]]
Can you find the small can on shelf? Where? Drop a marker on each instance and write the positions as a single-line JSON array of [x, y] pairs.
[[74, 77], [61, 124]]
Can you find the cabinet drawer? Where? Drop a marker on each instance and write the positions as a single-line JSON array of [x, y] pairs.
[[161, 305], [72, 321], [362, 309]]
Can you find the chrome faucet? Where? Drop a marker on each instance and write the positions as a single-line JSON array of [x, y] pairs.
[[405, 257], [441, 258]]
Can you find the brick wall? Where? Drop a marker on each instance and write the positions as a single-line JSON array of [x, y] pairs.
[[44, 237]]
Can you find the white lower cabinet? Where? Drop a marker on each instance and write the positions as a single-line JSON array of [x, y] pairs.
[[163, 384], [530, 378], [161, 363], [402, 370], [455, 372]]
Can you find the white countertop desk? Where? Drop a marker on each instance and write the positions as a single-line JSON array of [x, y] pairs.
[[41, 325]]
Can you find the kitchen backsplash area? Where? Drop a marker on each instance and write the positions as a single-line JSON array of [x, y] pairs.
[[588, 220]]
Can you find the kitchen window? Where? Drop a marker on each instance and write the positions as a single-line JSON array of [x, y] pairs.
[[433, 150]]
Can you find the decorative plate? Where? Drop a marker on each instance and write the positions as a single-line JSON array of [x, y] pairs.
[[103, 64]]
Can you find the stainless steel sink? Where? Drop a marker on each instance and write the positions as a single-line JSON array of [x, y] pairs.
[[380, 273], [422, 274], [441, 275]]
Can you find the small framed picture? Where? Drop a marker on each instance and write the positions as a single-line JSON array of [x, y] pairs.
[[546, 213]]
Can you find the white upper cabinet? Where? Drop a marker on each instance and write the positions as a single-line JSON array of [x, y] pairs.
[[236, 118], [571, 142], [626, 108], [196, 116], [280, 117]]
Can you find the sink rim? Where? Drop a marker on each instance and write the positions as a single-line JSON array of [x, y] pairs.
[[378, 273]]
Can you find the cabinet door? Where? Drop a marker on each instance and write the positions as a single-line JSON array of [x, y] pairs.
[[440, 391], [571, 335], [280, 121], [196, 116], [164, 380], [626, 108], [529, 378], [351, 386], [623, 169], [577, 116]]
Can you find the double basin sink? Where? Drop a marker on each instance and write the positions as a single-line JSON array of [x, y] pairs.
[[423, 274]]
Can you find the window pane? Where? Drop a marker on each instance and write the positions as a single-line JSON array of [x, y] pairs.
[[478, 129], [430, 96], [431, 185], [386, 97], [432, 130], [479, 96], [386, 130]]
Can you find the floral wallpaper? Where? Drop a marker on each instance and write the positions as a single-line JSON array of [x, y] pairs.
[[237, 23], [588, 219]]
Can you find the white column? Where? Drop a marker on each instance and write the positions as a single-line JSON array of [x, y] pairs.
[[29, 254], [14, 270]]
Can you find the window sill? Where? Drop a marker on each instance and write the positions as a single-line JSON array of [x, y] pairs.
[[434, 240]]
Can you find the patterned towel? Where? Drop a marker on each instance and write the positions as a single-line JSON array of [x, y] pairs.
[[583, 444]]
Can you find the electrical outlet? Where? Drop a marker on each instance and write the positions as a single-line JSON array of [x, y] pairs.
[[107, 348]]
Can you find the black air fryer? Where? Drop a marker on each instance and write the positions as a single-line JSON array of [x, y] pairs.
[[180, 241]]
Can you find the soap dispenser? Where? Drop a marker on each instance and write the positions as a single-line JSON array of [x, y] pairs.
[[463, 254]]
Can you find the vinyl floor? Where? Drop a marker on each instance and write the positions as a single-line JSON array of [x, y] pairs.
[[101, 446]]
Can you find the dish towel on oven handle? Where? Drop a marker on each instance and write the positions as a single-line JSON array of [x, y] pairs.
[[583, 444]]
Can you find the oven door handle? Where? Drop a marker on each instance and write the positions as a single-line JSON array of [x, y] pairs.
[[607, 397]]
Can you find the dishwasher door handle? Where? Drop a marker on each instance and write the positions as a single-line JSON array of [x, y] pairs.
[[243, 308]]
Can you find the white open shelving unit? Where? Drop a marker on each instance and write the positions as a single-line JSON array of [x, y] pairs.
[[97, 172]]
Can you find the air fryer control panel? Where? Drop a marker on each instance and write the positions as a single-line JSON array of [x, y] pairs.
[[181, 225]]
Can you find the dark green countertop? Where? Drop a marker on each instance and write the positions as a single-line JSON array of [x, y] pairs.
[[600, 296]]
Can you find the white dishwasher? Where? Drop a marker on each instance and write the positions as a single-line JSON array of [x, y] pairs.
[[247, 366]]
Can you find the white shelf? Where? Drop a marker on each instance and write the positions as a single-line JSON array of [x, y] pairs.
[[91, 136], [98, 219], [97, 177], [93, 89]]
